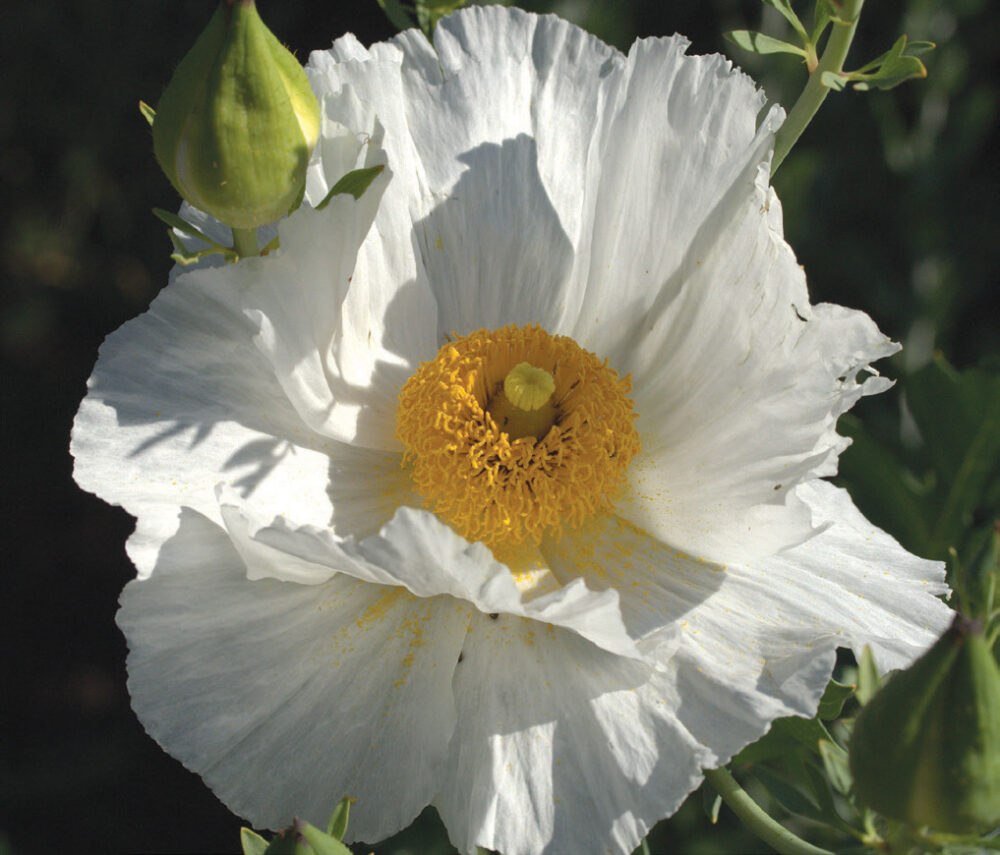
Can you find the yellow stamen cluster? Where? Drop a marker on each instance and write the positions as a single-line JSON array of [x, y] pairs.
[[503, 489]]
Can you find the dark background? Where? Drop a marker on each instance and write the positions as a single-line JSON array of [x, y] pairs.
[[890, 203]]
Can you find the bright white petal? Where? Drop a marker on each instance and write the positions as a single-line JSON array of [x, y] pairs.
[[560, 747], [296, 301], [417, 551], [738, 386], [858, 584], [180, 400], [287, 697], [758, 642]]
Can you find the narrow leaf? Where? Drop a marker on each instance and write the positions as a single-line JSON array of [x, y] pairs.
[[835, 763], [397, 14], [834, 81], [869, 681], [321, 843], [919, 48], [337, 825], [176, 222], [834, 697], [791, 798], [785, 8], [148, 113], [252, 842], [355, 183], [762, 44], [711, 802]]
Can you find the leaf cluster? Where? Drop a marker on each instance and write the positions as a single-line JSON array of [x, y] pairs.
[[301, 838], [898, 64], [940, 493], [422, 13]]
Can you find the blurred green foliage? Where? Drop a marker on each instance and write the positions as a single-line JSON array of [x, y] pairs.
[[889, 202]]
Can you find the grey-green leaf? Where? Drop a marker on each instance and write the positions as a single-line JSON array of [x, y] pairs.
[[252, 842], [762, 44], [355, 183], [322, 844], [835, 763], [397, 14], [834, 697], [148, 113], [869, 681], [337, 825]]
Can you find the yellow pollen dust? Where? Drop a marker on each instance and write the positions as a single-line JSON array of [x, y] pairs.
[[512, 434]]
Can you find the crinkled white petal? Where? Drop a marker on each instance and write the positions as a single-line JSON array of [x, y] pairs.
[[309, 634], [757, 639], [296, 301], [201, 389], [629, 208], [287, 697], [417, 551], [738, 383], [560, 747], [857, 584]]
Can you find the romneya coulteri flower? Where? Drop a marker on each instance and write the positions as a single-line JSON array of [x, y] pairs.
[[500, 489]]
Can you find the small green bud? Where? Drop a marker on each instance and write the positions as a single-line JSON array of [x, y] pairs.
[[926, 749], [237, 122]]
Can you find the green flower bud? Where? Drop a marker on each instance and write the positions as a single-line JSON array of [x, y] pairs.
[[238, 121], [926, 749]]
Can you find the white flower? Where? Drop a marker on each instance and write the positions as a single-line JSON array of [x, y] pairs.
[[309, 620]]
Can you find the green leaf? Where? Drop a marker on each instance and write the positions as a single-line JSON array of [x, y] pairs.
[[882, 488], [791, 797], [762, 44], [785, 736], [892, 73], [785, 8], [252, 842], [176, 222], [833, 80], [429, 13], [824, 14], [183, 255], [355, 183], [337, 825], [835, 762], [958, 416], [711, 802], [890, 69], [869, 681], [919, 48], [834, 696], [321, 843], [148, 113], [397, 14]]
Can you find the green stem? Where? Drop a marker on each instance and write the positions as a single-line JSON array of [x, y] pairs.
[[767, 829], [643, 849], [245, 242], [815, 92]]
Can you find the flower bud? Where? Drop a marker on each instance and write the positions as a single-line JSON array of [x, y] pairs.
[[926, 749], [237, 122]]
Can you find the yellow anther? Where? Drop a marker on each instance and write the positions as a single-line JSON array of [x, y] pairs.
[[528, 387], [508, 466]]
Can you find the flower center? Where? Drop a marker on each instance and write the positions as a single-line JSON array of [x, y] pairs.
[[512, 434]]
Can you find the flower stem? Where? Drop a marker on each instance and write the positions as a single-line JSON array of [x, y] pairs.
[[245, 242], [767, 829], [815, 92]]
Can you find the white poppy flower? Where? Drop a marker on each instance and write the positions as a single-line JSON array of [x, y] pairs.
[[352, 581]]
